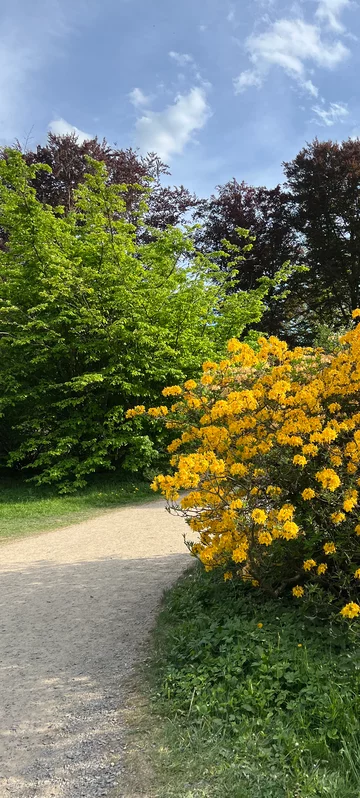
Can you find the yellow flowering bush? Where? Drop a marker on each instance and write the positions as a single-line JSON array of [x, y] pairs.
[[267, 448]]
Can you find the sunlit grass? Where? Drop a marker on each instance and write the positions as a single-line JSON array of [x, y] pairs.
[[26, 509]]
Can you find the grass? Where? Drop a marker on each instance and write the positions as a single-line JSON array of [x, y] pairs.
[[252, 699], [26, 509]]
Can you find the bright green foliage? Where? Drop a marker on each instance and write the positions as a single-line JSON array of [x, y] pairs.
[[91, 321]]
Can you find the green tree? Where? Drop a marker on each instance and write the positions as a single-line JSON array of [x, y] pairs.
[[324, 197], [93, 321]]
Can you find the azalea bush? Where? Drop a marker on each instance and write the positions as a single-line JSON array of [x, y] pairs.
[[267, 447]]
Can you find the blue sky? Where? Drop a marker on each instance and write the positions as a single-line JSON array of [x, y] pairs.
[[219, 88]]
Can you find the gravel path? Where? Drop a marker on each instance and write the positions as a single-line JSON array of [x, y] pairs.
[[76, 606]]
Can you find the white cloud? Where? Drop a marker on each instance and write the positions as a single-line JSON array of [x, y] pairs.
[[63, 128], [182, 59], [138, 98], [291, 45], [309, 86], [167, 132], [336, 112], [247, 79], [329, 11]]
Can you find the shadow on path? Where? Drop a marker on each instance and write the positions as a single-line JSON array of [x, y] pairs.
[[69, 636]]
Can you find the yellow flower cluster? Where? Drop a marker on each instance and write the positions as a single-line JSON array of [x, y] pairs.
[[328, 478], [329, 548], [135, 411], [298, 591], [321, 569], [309, 564], [272, 462], [351, 610], [172, 390], [308, 493]]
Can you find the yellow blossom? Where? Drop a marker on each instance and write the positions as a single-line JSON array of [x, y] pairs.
[[172, 390], [310, 449], [207, 379], [259, 516], [357, 573], [239, 554], [260, 625], [209, 365], [308, 494], [328, 478], [190, 385], [350, 501], [321, 568], [224, 364], [286, 512], [309, 564], [329, 548], [265, 538], [234, 345], [337, 517], [300, 460], [135, 411], [236, 504], [290, 530], [298, 591], [335, 460], [174, 445], [157, 412], [238, 469], [227, 576], [350, 610], [273, 490]]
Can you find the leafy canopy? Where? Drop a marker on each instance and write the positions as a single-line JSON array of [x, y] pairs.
[[91, 319]]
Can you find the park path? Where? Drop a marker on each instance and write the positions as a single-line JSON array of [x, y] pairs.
[[76, 607]]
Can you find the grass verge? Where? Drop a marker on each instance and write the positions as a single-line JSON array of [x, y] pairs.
[[253, 698], [27, 509]]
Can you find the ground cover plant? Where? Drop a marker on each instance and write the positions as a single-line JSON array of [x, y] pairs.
[[254, 699]]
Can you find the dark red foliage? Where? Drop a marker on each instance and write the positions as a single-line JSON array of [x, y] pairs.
[[266, 213], [67, 158], [324, 185]]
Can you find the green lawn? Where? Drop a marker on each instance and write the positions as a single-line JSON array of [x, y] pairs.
[[26, 509], [253, 698]]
